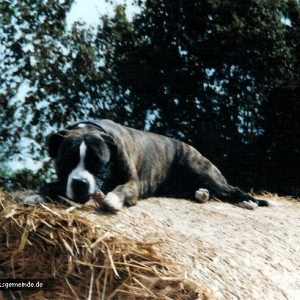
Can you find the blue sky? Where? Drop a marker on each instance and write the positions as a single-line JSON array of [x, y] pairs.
[[89, 11]]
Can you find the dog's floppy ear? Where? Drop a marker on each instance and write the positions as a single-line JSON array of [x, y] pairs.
[[54, 142], [107, 138]]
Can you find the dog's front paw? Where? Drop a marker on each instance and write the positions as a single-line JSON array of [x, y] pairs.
[[33, 199], [248, 204], [202, 195], [112, 202]]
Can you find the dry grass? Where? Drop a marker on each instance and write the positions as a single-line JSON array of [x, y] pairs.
[[236, 253], [161, 248], [82, 259]]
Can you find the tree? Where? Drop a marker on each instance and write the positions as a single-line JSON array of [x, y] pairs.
[[280, 146], [207, 72], [49, 76], [203, 69], [29, 33]]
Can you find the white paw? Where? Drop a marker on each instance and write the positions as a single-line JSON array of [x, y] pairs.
[[112, 202], [273, 203], [248, 205], [34, 199], [202, 195]]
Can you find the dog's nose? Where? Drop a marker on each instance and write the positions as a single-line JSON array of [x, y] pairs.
[[80, 187]]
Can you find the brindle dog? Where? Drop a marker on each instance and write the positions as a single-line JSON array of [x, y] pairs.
[[127, 164]]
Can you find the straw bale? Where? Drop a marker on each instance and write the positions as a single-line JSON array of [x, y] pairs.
[[236, 253], [161, 248], [82, 259]]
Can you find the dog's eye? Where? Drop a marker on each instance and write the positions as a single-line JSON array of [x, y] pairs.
[[65, 166], [96, 165], [71, 159], [67, 161]]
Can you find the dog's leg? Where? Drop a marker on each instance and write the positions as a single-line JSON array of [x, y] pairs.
[[126, 194], [236, 196], [202, 195], [207, 176], [50, 190], [33, 199], [219, 188]]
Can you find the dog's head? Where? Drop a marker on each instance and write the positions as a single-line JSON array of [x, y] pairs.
[[82, 160]]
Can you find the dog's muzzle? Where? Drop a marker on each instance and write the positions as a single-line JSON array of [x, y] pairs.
[[80, 190]]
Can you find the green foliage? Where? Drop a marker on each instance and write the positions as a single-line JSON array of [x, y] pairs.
[[280, 145], [61, 73], [20, 180], [208, 72], [203, 70]]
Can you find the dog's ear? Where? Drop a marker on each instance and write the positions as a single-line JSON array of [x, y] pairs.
[[111, 143], [108, 139], [54, 142]]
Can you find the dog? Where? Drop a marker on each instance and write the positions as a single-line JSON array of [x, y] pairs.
[[128, 164]]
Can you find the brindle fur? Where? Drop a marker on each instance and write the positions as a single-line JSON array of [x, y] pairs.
[[144, 164]]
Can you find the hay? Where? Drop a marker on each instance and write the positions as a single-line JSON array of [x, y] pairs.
[[80, 258]]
